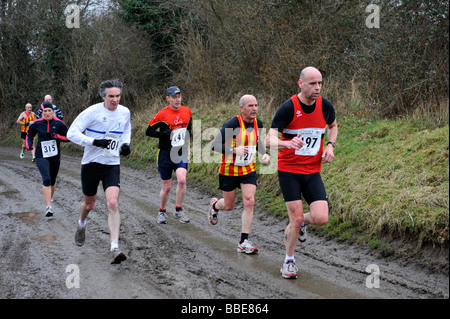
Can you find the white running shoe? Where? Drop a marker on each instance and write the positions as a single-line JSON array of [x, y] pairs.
[[247, 247], [213, 215], [302, 233], [289, 270]]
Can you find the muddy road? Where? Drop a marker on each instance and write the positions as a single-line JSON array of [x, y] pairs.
[[39, 258]]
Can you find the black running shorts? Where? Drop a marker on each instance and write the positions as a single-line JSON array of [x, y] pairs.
[[93, 173], [293, 186], [230, 183]]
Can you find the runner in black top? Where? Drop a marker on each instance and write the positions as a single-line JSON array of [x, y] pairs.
[[51, 131]]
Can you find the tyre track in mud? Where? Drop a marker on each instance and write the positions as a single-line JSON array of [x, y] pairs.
[[195, 260]]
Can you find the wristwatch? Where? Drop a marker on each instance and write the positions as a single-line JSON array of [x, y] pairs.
[[332, 143]]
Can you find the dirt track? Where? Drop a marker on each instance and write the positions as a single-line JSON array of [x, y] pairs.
[[195, 260]]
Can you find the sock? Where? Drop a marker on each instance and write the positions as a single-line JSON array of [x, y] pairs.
[[177, 208], [82, 224], [288, 258], [162, 210], [114, 244], [243, 237]]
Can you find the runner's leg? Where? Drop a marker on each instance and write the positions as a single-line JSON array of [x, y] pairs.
[[112, 203]]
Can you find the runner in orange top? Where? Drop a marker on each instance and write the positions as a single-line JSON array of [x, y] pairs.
[[238, 141], [173, 126], [26, 118]]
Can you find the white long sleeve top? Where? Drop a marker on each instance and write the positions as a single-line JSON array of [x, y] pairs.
[[97, 122]]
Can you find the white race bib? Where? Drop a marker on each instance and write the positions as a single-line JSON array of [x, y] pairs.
[[49, 148], [246, 159], [113, 147], [312, 139], [178, 137]]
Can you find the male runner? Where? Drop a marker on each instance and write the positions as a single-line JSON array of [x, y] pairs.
[[107, 135], [302, 121]]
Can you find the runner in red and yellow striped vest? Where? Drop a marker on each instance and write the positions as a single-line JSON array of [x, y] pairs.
[[238, 143], [247, 138], [26, 118]]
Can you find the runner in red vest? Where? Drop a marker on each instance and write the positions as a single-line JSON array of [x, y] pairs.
[[302, 121]]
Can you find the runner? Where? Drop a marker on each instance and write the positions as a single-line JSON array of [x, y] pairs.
[[50, 131], [107, 135], [302, 121], [173, 126], [26, 118], [238, 141], [56, 111]]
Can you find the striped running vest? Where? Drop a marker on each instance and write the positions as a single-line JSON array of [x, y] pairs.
[[228, 166], [29, 118]]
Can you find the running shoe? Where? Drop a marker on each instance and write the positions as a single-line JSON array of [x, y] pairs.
[[302, 233], [289, 270], [247, 247], [181, 217], [162, 218], [80, 235], [48, 211], [213, 214], [118, 256], [22, 155]]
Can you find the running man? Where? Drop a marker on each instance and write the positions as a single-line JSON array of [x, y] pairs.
[[56, 111], [173, 126], [302, 121], [107, 135], [26, 118], [50, 131], [238, 142]]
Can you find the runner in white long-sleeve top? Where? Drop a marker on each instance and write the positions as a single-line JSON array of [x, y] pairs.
[[104, 129]]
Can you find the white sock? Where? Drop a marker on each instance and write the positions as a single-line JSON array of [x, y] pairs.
[[288, 258], [114, 244], [82, 224]]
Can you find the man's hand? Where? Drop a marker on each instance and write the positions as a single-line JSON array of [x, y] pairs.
[[101, 143], [265, 159], [125, 149]]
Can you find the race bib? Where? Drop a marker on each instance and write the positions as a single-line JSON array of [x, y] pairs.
[[246, 159], [49, 148], [312, 139], [178, 137], [113, 147]]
